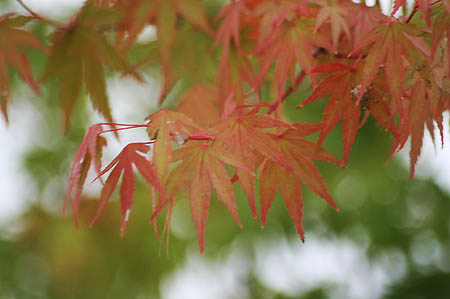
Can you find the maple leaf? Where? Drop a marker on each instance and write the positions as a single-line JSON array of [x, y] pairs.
[[201, 104], [290, 44], [243, 135], [235, 67], [402, 81], [420, 114], [363, 19], [298, 153], [234, 70], [202, 168], [343, 105], [165, 126], [90, 150], [139, 13], [230, 26], [162, 13], [440, 42], [270, 13], [132, 154], [78, 54], [166, 20], [332, 11], [196, 64], [380, 110], [183, 64], [391, 43], [12, 40]]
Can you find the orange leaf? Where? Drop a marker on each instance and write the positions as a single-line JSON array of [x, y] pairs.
[[363, 19], [390, 43], [335, 13], [298, 153], [202, 168], [201, 103], [420, 114], [342, 104], [292, 43], [244, 136]]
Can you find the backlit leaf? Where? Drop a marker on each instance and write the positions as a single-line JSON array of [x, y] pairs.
[[12, 41], [290, 45], [298, 153], [79, 53], [243, 136], [343, 85], [166, 127], [201, 169], [391, 48], [89, 151], [132, 154]]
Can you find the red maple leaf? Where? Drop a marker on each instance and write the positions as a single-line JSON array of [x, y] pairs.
[[230, 26], [334, 12], [235, 68], [298, 153], [202, 168], [343, 105], [420, 114], [292, 43], [363, 19], [271, 13], [132, 154], [393, 46], [244, 136], [89, 151], [201, 103]]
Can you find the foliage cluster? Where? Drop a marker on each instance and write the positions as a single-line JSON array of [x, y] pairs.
[[237, 65]]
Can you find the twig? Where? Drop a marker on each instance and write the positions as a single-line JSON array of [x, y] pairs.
[[416, 9], [435, 2], [288, 91]]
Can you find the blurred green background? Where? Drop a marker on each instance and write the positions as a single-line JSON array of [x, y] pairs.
[[391, 240]]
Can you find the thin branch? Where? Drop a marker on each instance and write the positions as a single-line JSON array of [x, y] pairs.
[[435, 2], [416, 9], [288, 91]]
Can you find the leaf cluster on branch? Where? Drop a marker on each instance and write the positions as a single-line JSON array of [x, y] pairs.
[[238, 68]]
